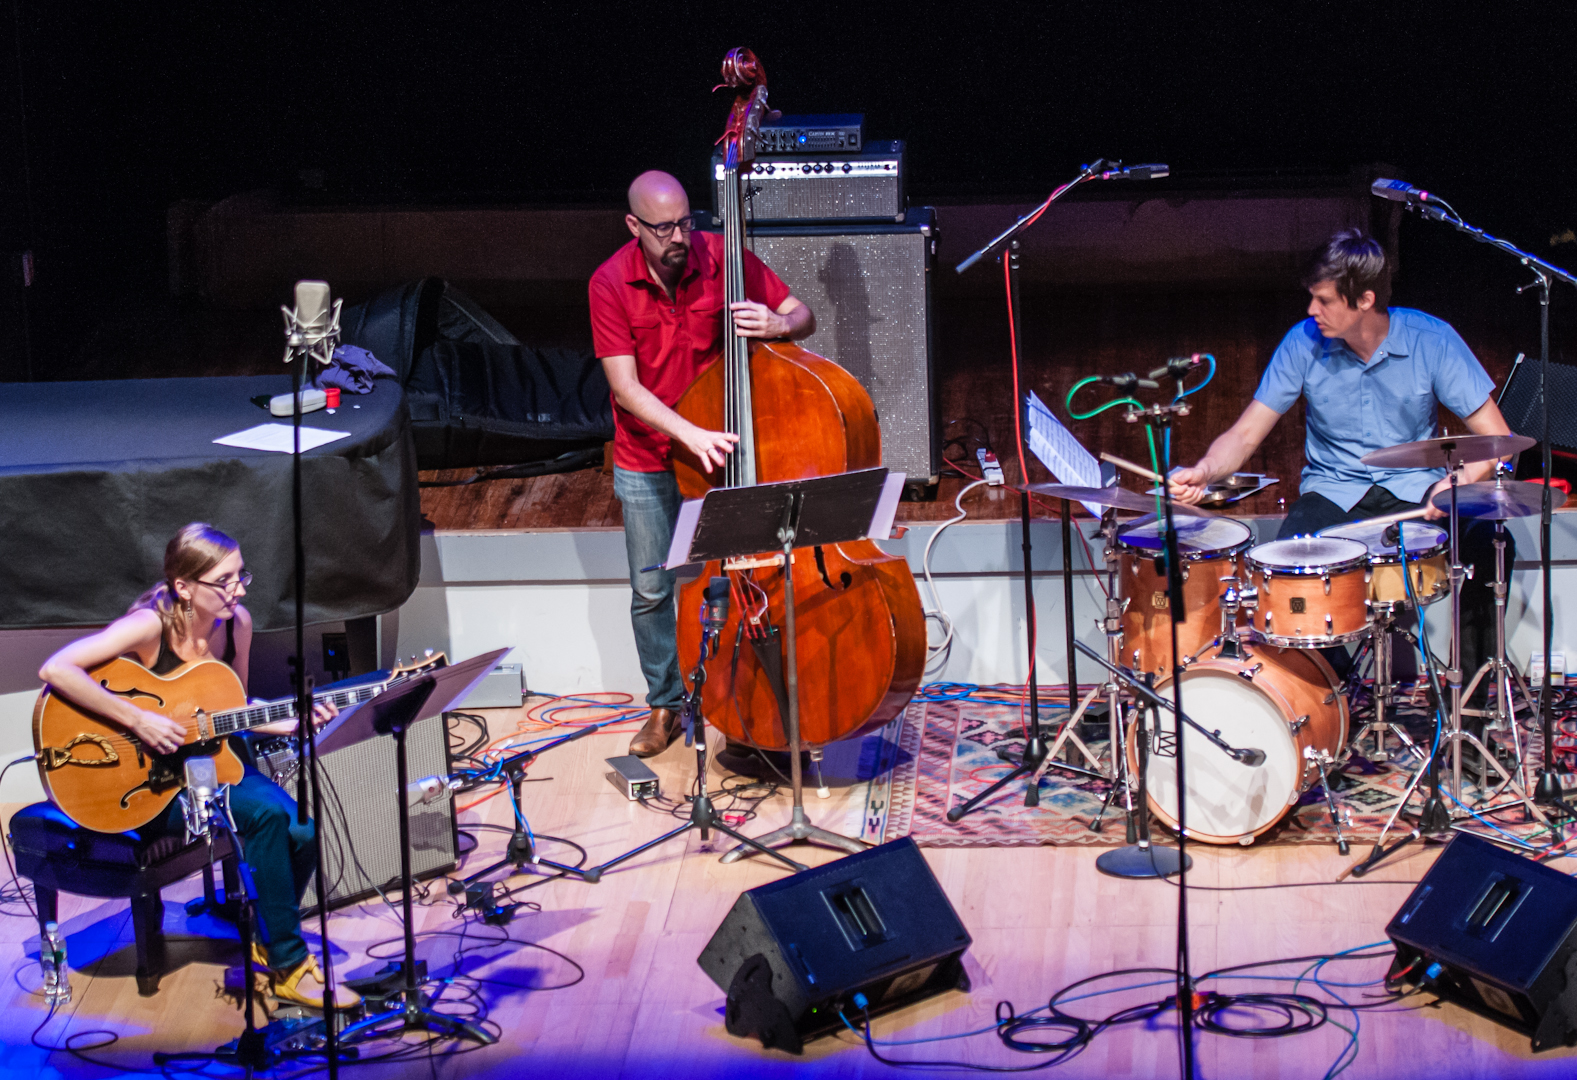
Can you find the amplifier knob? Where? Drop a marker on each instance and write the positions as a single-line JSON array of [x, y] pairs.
[[847, 167], [806, 169], [771, 169]]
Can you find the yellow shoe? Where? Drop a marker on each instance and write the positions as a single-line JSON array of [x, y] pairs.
[[302, 984]]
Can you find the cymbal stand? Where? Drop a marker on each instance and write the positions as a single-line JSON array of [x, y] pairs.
[[1502, 716], [1112, 624]]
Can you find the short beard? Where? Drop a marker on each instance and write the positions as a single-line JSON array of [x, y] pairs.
[[675, 256]]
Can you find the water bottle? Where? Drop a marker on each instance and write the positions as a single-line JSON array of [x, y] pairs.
[[52, 958]]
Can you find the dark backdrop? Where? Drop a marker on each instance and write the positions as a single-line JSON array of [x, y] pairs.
[[108, 113]]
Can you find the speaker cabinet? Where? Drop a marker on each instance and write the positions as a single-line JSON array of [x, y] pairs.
[[1495, 933], [870, 289], [793, 953], [359, 827]]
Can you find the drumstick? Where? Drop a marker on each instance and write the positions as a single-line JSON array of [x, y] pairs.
[[1391, 519], [1123, 463]]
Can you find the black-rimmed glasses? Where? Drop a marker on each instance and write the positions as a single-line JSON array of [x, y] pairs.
[[230, 586], [664, 230]]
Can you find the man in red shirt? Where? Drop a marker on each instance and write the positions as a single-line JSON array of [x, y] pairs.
[[656, 321]]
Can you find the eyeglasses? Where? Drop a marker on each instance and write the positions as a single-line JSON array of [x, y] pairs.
[[666, 229], [228, 587]]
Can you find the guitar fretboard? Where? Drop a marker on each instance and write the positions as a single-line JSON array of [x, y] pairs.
[[233, 720]]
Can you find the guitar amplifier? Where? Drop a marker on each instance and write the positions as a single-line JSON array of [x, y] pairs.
[[869, 286], [359, 827], [867, 186]]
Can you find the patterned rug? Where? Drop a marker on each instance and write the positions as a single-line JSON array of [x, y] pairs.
[[940, 754]]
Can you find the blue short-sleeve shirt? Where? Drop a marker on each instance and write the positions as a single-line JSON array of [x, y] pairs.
[[1355, 407]]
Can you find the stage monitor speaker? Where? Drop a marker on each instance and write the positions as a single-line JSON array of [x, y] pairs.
[[1496, 933], [870, 289], [794, 953], [359, 827]]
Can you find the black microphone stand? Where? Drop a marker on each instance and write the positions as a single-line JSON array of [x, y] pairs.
[[1548, 790], [306, 730], [703, 815], [1035, 747]]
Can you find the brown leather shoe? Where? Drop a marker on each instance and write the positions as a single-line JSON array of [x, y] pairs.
[[660, 729]]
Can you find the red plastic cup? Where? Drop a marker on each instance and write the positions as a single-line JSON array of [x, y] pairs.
[[332, 394]]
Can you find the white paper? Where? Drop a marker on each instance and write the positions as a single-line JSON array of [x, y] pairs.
[[684, 534], [887, 507], [1056, 448], [280, 438]]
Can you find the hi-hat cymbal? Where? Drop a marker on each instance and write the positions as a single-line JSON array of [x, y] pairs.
[[1120, 498], [1432, 453], [1490, 501]]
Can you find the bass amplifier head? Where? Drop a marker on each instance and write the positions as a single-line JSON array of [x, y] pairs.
[[870, 289], [1495, 933], [867, 186], [793, 954]]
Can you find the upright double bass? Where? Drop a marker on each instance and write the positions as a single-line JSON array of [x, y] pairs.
[[860, 629]]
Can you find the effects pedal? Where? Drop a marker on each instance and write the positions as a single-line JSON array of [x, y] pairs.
[[631, 776]]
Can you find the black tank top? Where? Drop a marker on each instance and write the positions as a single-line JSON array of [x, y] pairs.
[[168, 661]]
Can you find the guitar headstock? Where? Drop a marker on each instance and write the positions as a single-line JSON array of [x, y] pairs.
[[418, 665], [743, 71]]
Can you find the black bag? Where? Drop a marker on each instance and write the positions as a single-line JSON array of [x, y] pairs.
[[477, 396]]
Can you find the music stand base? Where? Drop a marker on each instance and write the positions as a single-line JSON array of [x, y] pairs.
[[1148, 861], [798, 830]]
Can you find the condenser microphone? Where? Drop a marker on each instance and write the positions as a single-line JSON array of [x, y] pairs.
[[429, 789], [202, 780], [1128, 382], [1400, 191], [312, 326], [1137, 172], [1177, 367]]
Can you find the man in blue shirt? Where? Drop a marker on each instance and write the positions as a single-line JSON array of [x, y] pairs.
[[1372, 376]]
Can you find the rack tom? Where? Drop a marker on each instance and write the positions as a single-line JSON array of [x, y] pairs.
[[1313, 590], [1427, 549], [1210, 549]]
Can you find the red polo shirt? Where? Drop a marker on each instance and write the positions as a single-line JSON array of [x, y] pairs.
[[671, 340]]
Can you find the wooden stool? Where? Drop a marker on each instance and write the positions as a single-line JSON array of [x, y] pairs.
[[57, 855]]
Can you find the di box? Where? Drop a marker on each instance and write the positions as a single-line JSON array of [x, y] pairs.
[[791, 954], [1496, 933]]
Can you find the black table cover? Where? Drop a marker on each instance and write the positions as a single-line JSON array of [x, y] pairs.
[[95, 477]]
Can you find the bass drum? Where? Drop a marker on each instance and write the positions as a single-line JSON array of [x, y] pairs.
[[1281, 701]]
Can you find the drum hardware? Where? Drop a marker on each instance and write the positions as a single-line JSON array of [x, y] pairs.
[[1434, 817], [1324, 762], [1384, 694]]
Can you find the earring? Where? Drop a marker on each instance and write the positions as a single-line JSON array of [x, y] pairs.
[[188, 605]]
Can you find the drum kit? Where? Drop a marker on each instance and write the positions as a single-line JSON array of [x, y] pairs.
[[1257, 616]]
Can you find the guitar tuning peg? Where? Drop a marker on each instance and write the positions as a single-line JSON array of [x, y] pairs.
[[427, 652]]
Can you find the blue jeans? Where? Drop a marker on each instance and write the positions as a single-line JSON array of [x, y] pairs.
[[281, 853], [651, 509]]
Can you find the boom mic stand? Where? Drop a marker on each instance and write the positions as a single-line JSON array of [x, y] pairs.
[[1035, 748], [1548, 790]]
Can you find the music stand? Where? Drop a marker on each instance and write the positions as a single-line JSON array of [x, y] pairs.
[[393, 712], [729, 523]]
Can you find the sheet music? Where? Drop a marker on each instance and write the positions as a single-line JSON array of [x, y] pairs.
[[280, 438], [1057, 449]]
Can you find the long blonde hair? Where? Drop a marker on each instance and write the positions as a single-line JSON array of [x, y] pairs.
[[190, 554]]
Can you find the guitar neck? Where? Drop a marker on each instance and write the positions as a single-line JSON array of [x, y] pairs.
[[232, 721]]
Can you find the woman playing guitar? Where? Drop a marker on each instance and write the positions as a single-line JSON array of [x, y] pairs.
[[193, 615]]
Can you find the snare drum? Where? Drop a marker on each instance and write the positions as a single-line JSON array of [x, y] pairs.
[[1312, 590], [1282, 701], [1426, 556], [1210, 548]]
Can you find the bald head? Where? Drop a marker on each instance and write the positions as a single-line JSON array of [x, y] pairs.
[[656, 198]]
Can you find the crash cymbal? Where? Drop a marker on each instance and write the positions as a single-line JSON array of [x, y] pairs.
[[1431, 453], [1121, 498], [1490, 501]]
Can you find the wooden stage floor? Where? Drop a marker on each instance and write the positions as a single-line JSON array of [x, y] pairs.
[[631, 1001]]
